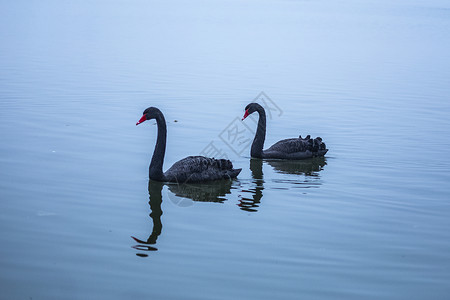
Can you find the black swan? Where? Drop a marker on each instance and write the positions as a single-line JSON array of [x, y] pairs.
[[295, 148], [189, 169]]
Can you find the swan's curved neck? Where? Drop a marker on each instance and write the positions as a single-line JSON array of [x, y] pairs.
[[258, 142], [156, 165]]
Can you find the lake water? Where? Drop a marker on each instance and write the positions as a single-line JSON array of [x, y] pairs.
[[369, 221]]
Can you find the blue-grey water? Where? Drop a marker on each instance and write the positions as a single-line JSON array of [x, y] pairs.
[[369, 221]]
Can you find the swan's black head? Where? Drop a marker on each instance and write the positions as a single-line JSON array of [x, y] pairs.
[[251, 108], [148, 114]]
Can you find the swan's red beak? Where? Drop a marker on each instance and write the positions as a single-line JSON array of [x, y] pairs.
[[245, 114], [144, 118]]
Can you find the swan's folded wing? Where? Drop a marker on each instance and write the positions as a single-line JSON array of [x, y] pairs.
[[289, 146], [295, 145], [200, 168]]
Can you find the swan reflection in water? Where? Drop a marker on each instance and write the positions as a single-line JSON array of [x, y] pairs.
[[214, 191], [251, 204], [155, 196], [218, 191], [210, 191], [310, 168]]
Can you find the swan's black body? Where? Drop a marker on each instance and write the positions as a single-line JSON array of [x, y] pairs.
[[189, 169], [295, 148]]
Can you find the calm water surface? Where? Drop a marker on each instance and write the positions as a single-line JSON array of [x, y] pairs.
[[369, 221]]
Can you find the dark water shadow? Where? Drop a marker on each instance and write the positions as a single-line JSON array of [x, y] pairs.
[[309, 168], [212, 191], [155, 201], [307, 172], [215, 191], [256, 191]]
